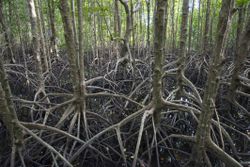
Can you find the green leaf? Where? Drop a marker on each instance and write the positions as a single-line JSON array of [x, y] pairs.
[[242, 2]]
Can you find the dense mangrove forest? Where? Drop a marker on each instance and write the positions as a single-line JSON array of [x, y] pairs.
[[124, 83]]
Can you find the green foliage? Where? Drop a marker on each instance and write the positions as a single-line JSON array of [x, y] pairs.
[[242, 2], [103, 10]]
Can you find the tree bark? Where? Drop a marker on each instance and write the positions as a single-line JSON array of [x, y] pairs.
[[53, 45], [70, 44], [7, 33], [82, 83], [203, 136], [43, 50], [117, 20], [242, 49], [191, 28], [148, 22], [73, 20], [124, 45], [182, 47], [159, 38], [173, 25], [206, 46], [8, 114], [35, 40]]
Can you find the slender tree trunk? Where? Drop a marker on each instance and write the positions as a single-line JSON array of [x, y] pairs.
[[117, 26], [17, 19], [133, 30], [240, 24], [159, 38], [70, 44], [206, 46], [182, 45], [7, 33], [73, 15], [117, 20], [10, 22], [35, 40], [173, 25], [199, 25], [242, 49], [8, 114], [140, 33], [203, 134], [176, 24], [148, 24], [211, 25], [53, 44], [43, 50], [95, 31], [191, 28], [165, 26], [82, 85], [125, 43]]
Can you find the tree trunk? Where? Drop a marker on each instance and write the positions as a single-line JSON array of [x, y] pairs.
[[8, 114], [73, 20], [191, 28], [7, 33], [43, 50], [242, 49], [173, 25], [35, 40], [199, 25], [203, 136], [70, 44], [148, 26], [117, 20], [82, 83], [124, 45], [206, 46], [182, 45], [53, 35], [159, 38]]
